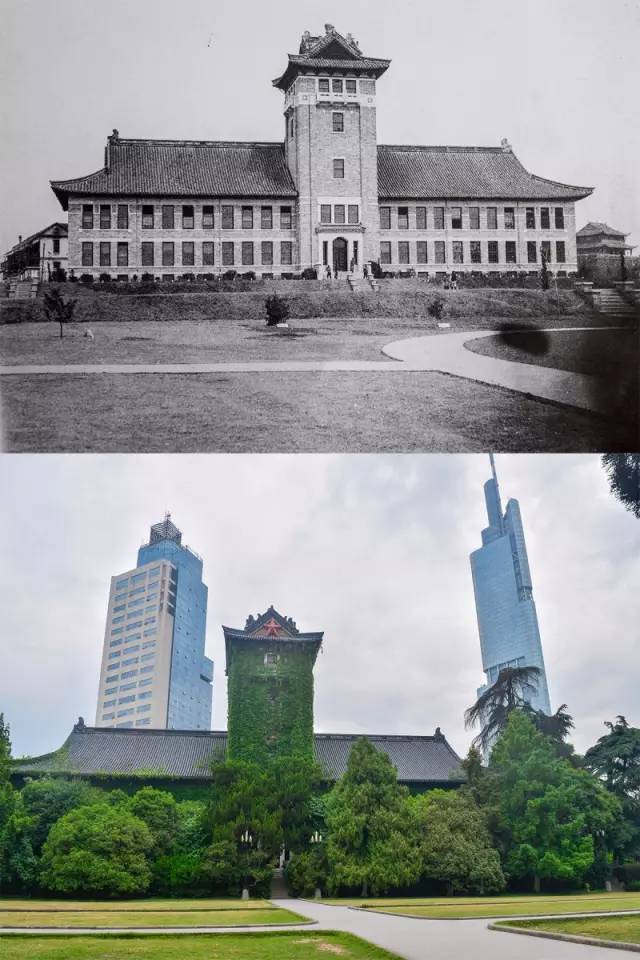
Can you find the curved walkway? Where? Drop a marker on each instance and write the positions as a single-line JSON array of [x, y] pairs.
[[412, 938], [442, 353]]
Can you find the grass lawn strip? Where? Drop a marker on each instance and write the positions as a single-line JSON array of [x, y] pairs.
[[616, 930], [279, 945], [97, 919], [48, 906]]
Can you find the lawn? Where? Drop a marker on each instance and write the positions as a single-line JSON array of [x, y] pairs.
[[291, 412], [149, 903], [249, 946], [457, 908], [147, 918], [622, 929]]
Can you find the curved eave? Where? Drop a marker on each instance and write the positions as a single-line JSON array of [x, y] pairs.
[[351, 66]]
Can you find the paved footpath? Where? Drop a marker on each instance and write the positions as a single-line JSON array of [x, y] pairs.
[[442, 353], [410, 938]]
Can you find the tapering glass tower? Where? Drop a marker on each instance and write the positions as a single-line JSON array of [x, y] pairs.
[[506, 610], [154, 672]]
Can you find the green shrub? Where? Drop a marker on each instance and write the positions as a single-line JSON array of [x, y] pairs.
[[307, 871], [277, 310], [179, 875]]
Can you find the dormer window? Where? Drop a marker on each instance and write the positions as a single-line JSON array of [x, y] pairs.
[[323, 86], [336, 85]]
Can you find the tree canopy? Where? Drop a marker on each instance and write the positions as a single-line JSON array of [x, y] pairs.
[[623, 472], [511, 691]]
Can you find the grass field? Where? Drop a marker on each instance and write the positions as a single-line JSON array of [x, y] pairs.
[[621, 929], [149, 903], [292, 412], [457, 908], [249, 946]]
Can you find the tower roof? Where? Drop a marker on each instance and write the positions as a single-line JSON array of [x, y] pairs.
[[165, 530], [329, 52], [271, 626]]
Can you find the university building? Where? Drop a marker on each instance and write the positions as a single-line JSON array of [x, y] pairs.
[[326, 195]]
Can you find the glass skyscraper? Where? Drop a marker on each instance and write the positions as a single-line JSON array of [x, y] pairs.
[[506, 611], [154, 672]]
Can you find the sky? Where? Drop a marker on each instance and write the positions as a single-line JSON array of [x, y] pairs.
[[558, 78], [373, 550]]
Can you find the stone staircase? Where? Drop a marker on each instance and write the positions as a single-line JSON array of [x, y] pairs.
[[362, 285], [279, 889], [610, 302]]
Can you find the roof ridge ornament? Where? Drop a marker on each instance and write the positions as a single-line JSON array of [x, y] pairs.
[[506, 146]]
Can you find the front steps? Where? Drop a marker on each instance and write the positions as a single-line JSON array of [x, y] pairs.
[[610, 302], [362, 285], [279, 889]]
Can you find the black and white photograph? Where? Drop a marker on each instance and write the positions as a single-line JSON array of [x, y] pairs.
[[320, 473]]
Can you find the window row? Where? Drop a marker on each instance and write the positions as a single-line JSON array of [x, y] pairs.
[[337, 85], [166, 256], [185, 214], [475, 252], [456, 220], [339, 213]]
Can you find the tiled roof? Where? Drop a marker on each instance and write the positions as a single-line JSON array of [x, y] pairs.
[[594, 228], [53, 230], [340, 63], [186, 168], [93, 751], [463, 173]]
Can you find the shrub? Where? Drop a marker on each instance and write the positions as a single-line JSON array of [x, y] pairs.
[[436, 308], [105, 278], [277, 310], [249, 275], [188, 277], [86, 278], [307, 871], [230, 274], [147, 278], [158, 809], [376, 270], [179, 875], [309, 273]]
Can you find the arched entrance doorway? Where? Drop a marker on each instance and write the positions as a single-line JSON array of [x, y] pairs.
[[339, 255]]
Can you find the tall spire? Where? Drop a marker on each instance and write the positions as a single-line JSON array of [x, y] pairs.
[[495, 480]]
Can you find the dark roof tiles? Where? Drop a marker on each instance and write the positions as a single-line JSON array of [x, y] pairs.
[[94, 751]]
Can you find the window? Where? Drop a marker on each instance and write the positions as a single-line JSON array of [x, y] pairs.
[[147, 253], [440, 251], [247, 253], [339, 213], [385, 218], [168, 255], [270, 659], [510, 251], [559, 217], [114, 656], [108, 703], [338, 122], [475, 251], [144, 722], [87, 216], [87, 254], [458, 253], [285, 218], [247, 218], [168, 217], [323, 86], [492, 219], [266, 218], [509, 218], [109, 690], [143, 708], [286, 252], [351, 86], [336, 86], [125, 713], [456, 218], [403, 252], [128, 699], [438, 218], [147, 656], [545, 222], [207, 261], [353, 211], [147, 216], [292, 127], [208, 221], [105, 216], [188, 219], [530, 218], [421, 218], [122, 255], [144, 683], [403, 218], [108, 716], [545, 250], [266, 252], [188, 254], [227, 254], [338, 169], [385, 252], [560, 252], [422, 251], [227, 217], [325, 213], [105, 254], [146, 669], [127, 686], [56, 245], [532, 255]]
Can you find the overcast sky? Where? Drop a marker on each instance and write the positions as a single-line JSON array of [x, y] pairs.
[[374, 550], [559, 78]]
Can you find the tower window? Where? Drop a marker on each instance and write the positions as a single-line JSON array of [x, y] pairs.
[[270, 659], [353, 211], [338, 122], [338, 169], [323, 86], [351, 86], [325, 213], [339, 213], [336, 86]]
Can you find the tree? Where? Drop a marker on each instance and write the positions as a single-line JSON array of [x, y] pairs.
[[97, 850], [47, 799], [7, 796], [307, 871], [158, 809], [544, 272], [57, 309], [455, 844], [371, 843], [510, 692], [548, 814], [294, 781], [623, 472], [615, 760], [555, 726]]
